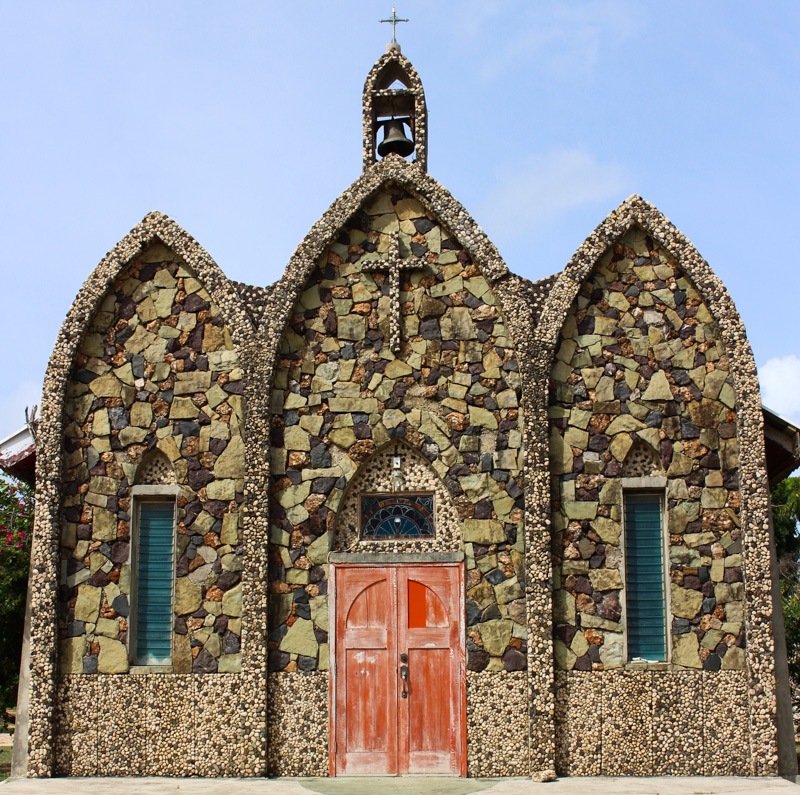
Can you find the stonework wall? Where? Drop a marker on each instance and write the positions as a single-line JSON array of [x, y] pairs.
[[297, 714], [451, 405], [497, 737], [452, 393], [641, 388], [163, 725], [156, 372], [651, 723]]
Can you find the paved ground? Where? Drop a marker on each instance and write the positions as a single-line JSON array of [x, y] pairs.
[[407, 786]]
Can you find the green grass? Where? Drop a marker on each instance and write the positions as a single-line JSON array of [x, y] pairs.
[[5, 763]]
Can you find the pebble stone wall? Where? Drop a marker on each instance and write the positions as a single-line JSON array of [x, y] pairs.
[[641, 388], [753, 689], [64, 733], [478, 345]]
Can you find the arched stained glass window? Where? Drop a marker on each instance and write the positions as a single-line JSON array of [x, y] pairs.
[[396, 516]]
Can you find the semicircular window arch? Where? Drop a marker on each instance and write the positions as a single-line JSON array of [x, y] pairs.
[[397, 515]]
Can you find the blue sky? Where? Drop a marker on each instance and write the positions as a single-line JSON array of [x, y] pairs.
[[242, 122]]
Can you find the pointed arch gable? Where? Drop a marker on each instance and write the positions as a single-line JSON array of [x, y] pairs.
[[44, 564], [412, 178], [155, 226], [635, 211]]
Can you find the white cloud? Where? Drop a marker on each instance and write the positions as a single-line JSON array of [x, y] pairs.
[[546, 187], [780, 386], [12, 405], [564, 38]]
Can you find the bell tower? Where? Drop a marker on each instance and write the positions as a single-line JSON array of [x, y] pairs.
[[395, 118]]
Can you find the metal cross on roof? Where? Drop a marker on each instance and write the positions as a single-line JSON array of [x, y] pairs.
[[394, 19], [394, 266]]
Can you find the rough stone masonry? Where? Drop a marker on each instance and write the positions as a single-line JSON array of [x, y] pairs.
[[525, 408]]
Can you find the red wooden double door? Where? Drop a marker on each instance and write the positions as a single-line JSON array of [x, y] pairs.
[[398, 680]]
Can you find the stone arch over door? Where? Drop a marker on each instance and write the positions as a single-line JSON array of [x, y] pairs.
[[377, 475]]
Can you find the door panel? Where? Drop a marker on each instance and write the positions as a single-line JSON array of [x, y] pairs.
[[382, 614]]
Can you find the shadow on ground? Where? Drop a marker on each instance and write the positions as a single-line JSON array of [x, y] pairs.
[[401, 786]]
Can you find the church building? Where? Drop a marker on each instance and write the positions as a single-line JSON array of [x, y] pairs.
[[403, 511]]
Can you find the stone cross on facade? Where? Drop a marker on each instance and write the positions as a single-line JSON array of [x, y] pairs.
[[394, 266], [394, 19]]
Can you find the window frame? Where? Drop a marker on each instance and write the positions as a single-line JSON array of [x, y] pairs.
[[143, 495], [656, 486]]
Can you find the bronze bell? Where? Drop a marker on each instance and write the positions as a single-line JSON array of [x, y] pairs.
[[394, 139]]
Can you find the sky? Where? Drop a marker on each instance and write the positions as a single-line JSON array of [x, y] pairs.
[[242, 121]]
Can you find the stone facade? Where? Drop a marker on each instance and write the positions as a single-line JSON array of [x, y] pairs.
[[525, 409], [641, 388], [155, 381]]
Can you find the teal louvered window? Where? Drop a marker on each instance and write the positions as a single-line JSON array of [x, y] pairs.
[[644, 563], [154, 583]]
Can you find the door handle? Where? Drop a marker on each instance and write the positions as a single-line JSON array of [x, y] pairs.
[[404, 679]]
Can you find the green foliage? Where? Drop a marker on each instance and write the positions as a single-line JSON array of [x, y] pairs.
[[786, 522], [16, 516]]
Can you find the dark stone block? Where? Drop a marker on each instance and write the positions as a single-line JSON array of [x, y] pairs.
[[491, 613], [84, 376], [291, 417], [90, 664], [221, 625], [120, 605], [583, 663], [216, 446], [495, 576], [278, 660], [198, 478], [188, 428], [423, 225], [204, 663], [194, 303], [483, 509], [565, 633], [477, 659], [514, 660], [230, 643], [712, 662], [306, 663], [76, 628], [99, 579], [320, 457], [228, 579], [320, 635], [429, 329], [118, 417], [654, 419], [473, 613]]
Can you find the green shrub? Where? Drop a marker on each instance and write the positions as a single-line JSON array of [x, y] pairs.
[[16, 515]]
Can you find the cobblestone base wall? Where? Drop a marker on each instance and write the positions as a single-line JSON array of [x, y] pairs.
[[649, 723], [497, 732], [152, 725], [298, 718]]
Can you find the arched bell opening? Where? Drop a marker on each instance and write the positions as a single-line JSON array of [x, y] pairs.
[[394, 111]]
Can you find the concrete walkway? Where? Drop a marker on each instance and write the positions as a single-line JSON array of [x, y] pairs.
[[408, 786]]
